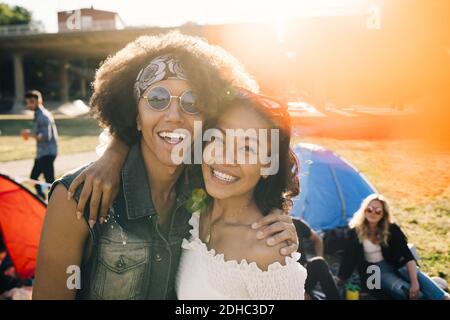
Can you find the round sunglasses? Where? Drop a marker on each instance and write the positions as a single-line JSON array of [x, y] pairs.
[[159, 99], [373, 210]]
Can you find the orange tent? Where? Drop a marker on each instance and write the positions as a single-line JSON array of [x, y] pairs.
[[21, 217]]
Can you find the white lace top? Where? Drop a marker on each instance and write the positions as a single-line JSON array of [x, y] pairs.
[[205, 275]]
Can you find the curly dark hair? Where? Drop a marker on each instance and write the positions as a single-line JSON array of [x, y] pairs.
[[210, 70], [276, 191]]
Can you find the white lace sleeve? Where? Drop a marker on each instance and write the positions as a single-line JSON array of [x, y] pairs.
[[278, 282], [103, 141]]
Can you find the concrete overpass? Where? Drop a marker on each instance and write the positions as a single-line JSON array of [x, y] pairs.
[[66, 46]]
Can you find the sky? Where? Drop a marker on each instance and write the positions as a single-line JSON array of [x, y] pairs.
[[176, 12]]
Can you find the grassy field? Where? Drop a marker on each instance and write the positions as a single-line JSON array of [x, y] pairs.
[[416, 180], [75, 135]]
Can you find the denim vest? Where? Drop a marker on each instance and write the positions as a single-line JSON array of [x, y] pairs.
[[130, 258]]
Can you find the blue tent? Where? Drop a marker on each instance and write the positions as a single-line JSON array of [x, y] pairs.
[[331, 188]]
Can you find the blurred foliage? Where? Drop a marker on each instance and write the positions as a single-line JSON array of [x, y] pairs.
[[13, 15]]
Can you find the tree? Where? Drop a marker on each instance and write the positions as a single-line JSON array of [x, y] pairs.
[[13, 15]]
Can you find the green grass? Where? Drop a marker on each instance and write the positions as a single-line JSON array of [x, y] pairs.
[[75, 135]]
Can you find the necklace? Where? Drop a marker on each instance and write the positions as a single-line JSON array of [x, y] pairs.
[[208, 236]]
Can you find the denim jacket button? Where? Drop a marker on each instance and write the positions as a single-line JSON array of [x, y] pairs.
[[120, 263], [158, 257]]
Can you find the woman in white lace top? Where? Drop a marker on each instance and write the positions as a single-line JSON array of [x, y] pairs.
[[223, 259]]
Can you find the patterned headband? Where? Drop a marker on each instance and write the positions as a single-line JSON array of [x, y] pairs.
[[161, 68]]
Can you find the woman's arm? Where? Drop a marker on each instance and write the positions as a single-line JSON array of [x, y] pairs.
[[414, 287], [101, 182], [61, 245], [400, 244]]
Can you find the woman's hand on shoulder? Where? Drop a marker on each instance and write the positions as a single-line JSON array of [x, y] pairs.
[[264, 255], [277, 229], [100, 183]]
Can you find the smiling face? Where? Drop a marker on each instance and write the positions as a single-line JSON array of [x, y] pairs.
[[224, 181], [374, 212], [158, 127]]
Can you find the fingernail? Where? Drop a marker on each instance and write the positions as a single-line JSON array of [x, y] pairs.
[[91, 223], [259, 234], [283, 251], [79, 214], [271, 241], [69, 196], [254, 225], [102, 220]]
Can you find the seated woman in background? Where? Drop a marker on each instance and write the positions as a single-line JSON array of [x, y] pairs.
[[375, 240]]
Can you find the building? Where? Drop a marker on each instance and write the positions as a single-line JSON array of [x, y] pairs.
[[87, 19]]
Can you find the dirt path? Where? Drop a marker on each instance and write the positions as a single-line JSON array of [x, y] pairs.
[[63, 163]]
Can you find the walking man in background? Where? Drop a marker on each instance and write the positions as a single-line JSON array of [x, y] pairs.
[[46, 135]]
